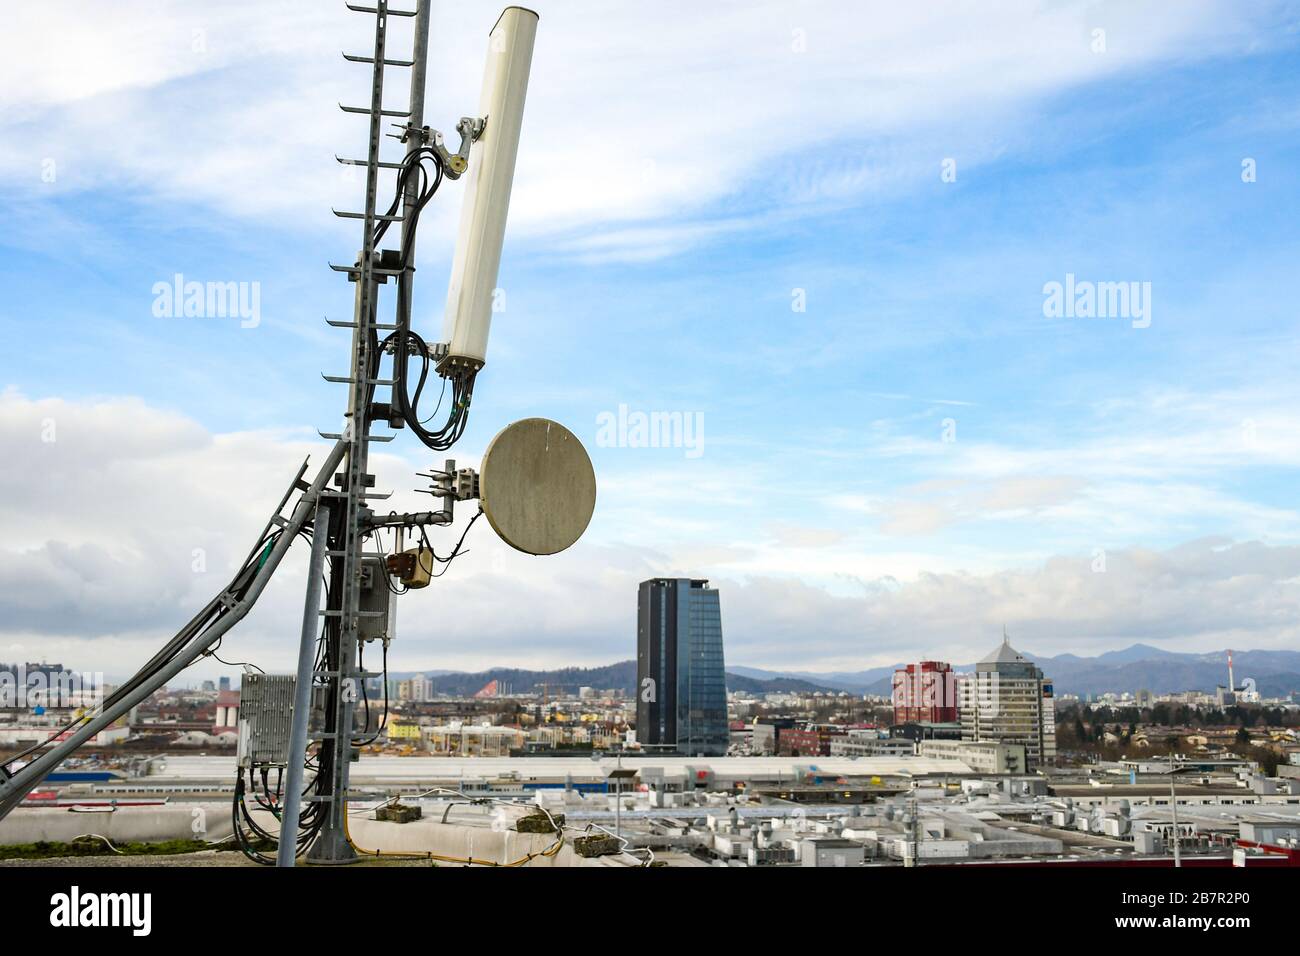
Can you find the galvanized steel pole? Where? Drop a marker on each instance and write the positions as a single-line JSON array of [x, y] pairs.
[[288, 851]]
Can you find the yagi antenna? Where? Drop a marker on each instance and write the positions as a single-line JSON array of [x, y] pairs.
[[471, 292]]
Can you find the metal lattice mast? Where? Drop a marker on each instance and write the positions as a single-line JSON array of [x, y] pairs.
[[335, 506], [347, 531]]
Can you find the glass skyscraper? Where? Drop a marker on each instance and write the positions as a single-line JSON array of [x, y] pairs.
[[681, 679]]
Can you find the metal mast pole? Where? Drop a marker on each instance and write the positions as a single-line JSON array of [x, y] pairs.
[[288, 850], [347, 532], [1173, 806], [415, 139]]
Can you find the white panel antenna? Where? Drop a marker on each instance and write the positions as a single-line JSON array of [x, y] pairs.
[[471, 293]]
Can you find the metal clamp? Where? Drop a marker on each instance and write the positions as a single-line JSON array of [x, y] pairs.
[[458, 484], [455, 164]]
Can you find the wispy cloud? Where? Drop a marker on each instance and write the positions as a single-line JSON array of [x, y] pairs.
[[643, 125]]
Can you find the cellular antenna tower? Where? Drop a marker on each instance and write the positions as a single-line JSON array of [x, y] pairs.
[[300, 733]]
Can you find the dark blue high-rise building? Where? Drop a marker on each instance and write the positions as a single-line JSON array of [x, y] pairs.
[[681, 679]]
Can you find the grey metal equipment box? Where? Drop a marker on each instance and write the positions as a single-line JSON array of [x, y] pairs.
[[374, 600], [265, 713]]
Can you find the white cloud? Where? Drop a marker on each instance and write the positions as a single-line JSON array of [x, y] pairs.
[[646, 126], [101, 527], [1162, 463], [1203, 595]]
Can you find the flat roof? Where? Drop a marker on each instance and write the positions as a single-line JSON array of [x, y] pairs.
[[390, 768], [1147, 790]]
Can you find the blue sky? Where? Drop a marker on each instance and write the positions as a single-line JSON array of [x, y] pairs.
[[676, 188]]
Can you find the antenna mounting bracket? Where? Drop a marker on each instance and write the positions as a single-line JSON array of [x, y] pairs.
[[455, 164]]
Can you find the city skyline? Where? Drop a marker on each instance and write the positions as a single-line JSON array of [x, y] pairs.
[[862, 299], [884, 453]]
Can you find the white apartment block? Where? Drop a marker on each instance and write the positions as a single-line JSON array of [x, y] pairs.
[[982, 756], [1008, 700]]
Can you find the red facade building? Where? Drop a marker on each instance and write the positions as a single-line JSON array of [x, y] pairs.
[[925, 692]]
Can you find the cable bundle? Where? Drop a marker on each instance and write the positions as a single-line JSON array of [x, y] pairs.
[[402, 340]]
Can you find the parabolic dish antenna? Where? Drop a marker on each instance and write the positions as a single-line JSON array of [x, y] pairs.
[[537, 486]]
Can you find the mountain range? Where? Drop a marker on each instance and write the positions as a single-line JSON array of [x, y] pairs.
[[1138, 667], [618, 676]]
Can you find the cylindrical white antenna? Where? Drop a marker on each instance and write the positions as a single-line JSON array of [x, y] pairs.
[[472, 292]]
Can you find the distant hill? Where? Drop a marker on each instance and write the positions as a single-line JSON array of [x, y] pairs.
[[1136, 652], [778, 685], [1276, 673], [563, 680], [619, 676], [852, 681], [1139, 667]]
